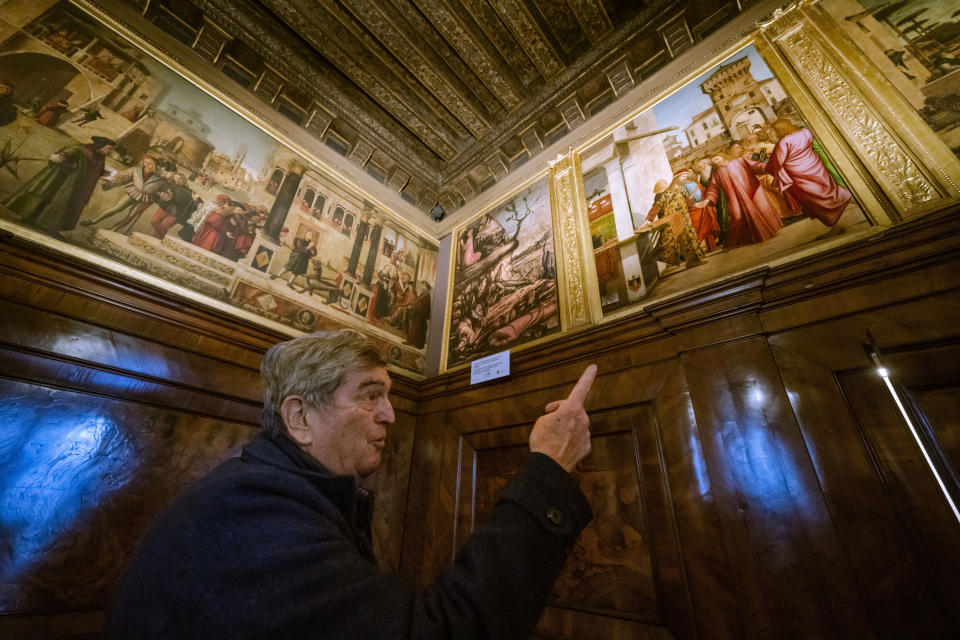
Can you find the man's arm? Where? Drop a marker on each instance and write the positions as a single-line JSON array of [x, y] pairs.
[[501, 578]]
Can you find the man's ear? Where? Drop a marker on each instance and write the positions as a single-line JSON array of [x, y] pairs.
[[293, 410]]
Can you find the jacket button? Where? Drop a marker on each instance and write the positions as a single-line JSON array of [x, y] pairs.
[[555, 516]]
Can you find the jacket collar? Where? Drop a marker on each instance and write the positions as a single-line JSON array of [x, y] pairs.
[[282, 452]]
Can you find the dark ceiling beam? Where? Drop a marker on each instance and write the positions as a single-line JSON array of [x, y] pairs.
[[284, 50], [488, 20], [421, 61], [527, 32], [319, 25], [474, 48], [560, 27], [448, 57], [593, 17], [562, 85]]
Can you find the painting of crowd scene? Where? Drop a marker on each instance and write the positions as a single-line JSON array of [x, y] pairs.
[[504, 289], [721, 175], [916, 43], [107, 149]]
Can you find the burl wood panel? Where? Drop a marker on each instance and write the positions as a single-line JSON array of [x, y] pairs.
[[81, 477], [774, 525], [390, 486], [609, 570]]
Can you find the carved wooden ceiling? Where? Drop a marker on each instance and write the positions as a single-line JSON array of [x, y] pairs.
[[438, 99]]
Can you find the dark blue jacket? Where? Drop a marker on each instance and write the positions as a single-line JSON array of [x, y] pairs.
[[270, 545]]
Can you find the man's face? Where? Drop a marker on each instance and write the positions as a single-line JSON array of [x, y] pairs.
[[348, 435]]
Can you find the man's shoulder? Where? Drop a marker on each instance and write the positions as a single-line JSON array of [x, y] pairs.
[[243, 499]]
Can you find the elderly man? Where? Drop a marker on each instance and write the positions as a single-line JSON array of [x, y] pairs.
[[276, 543]]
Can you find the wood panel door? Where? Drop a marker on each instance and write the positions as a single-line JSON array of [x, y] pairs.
[[928, 383], [608, 586], [900, 539]]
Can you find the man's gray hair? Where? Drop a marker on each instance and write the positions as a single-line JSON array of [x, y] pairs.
[[312, 366]]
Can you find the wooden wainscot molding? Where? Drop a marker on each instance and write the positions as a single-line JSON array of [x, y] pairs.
[[579, 294]]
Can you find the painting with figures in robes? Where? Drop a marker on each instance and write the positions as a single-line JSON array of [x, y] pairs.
[[916, 44], [721, 175], [105, 149]]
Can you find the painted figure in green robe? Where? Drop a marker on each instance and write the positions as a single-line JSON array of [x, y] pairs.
[[53, 199]]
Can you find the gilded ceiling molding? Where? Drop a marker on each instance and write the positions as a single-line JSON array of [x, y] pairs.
[[406, 48], [593, 17], [373, 57], [334, 41], [259, 31], [524, 27], [488, 20], [491, 71], [558, 87], [422, 28]]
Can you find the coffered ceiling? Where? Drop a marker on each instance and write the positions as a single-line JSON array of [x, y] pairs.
[[438, 99]]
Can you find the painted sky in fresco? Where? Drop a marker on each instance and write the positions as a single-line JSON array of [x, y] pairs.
[[680, 107], [228, 130]]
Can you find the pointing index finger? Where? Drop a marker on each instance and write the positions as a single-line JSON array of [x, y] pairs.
[[582, 388]]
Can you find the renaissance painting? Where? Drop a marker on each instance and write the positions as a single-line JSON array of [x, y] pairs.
[[107, 149], [719, 176], [504, 290], [916, 43]]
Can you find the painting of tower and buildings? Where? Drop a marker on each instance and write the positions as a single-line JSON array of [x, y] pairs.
[[697, 180], [107, 150]]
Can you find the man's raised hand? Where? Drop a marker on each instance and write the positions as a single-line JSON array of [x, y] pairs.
[[563, 432]]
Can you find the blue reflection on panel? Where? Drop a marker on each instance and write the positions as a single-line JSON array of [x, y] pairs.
[[766, 471], [57, 463]]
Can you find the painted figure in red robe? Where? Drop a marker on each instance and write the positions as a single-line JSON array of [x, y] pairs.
[[754, 212], [800, 174]]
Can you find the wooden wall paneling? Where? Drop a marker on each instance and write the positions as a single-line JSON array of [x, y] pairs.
[[612, 585], [912, 262], [877, 546], [788, 573], [931, 526], [416, 556], [939, 408], [442, 541], [607, 585], [83, 476], [464, 518], [391, 485], [115, 397], [689, 557], [427, 535], [116, 384]]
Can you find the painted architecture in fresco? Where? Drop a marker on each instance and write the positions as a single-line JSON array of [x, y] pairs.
[[725, 163], [505, 278], [104, 148], [916, 43]]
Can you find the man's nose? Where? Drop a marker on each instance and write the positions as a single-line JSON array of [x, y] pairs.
[[385, 410]]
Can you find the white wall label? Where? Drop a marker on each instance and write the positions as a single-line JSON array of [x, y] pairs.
[[495, 366]]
